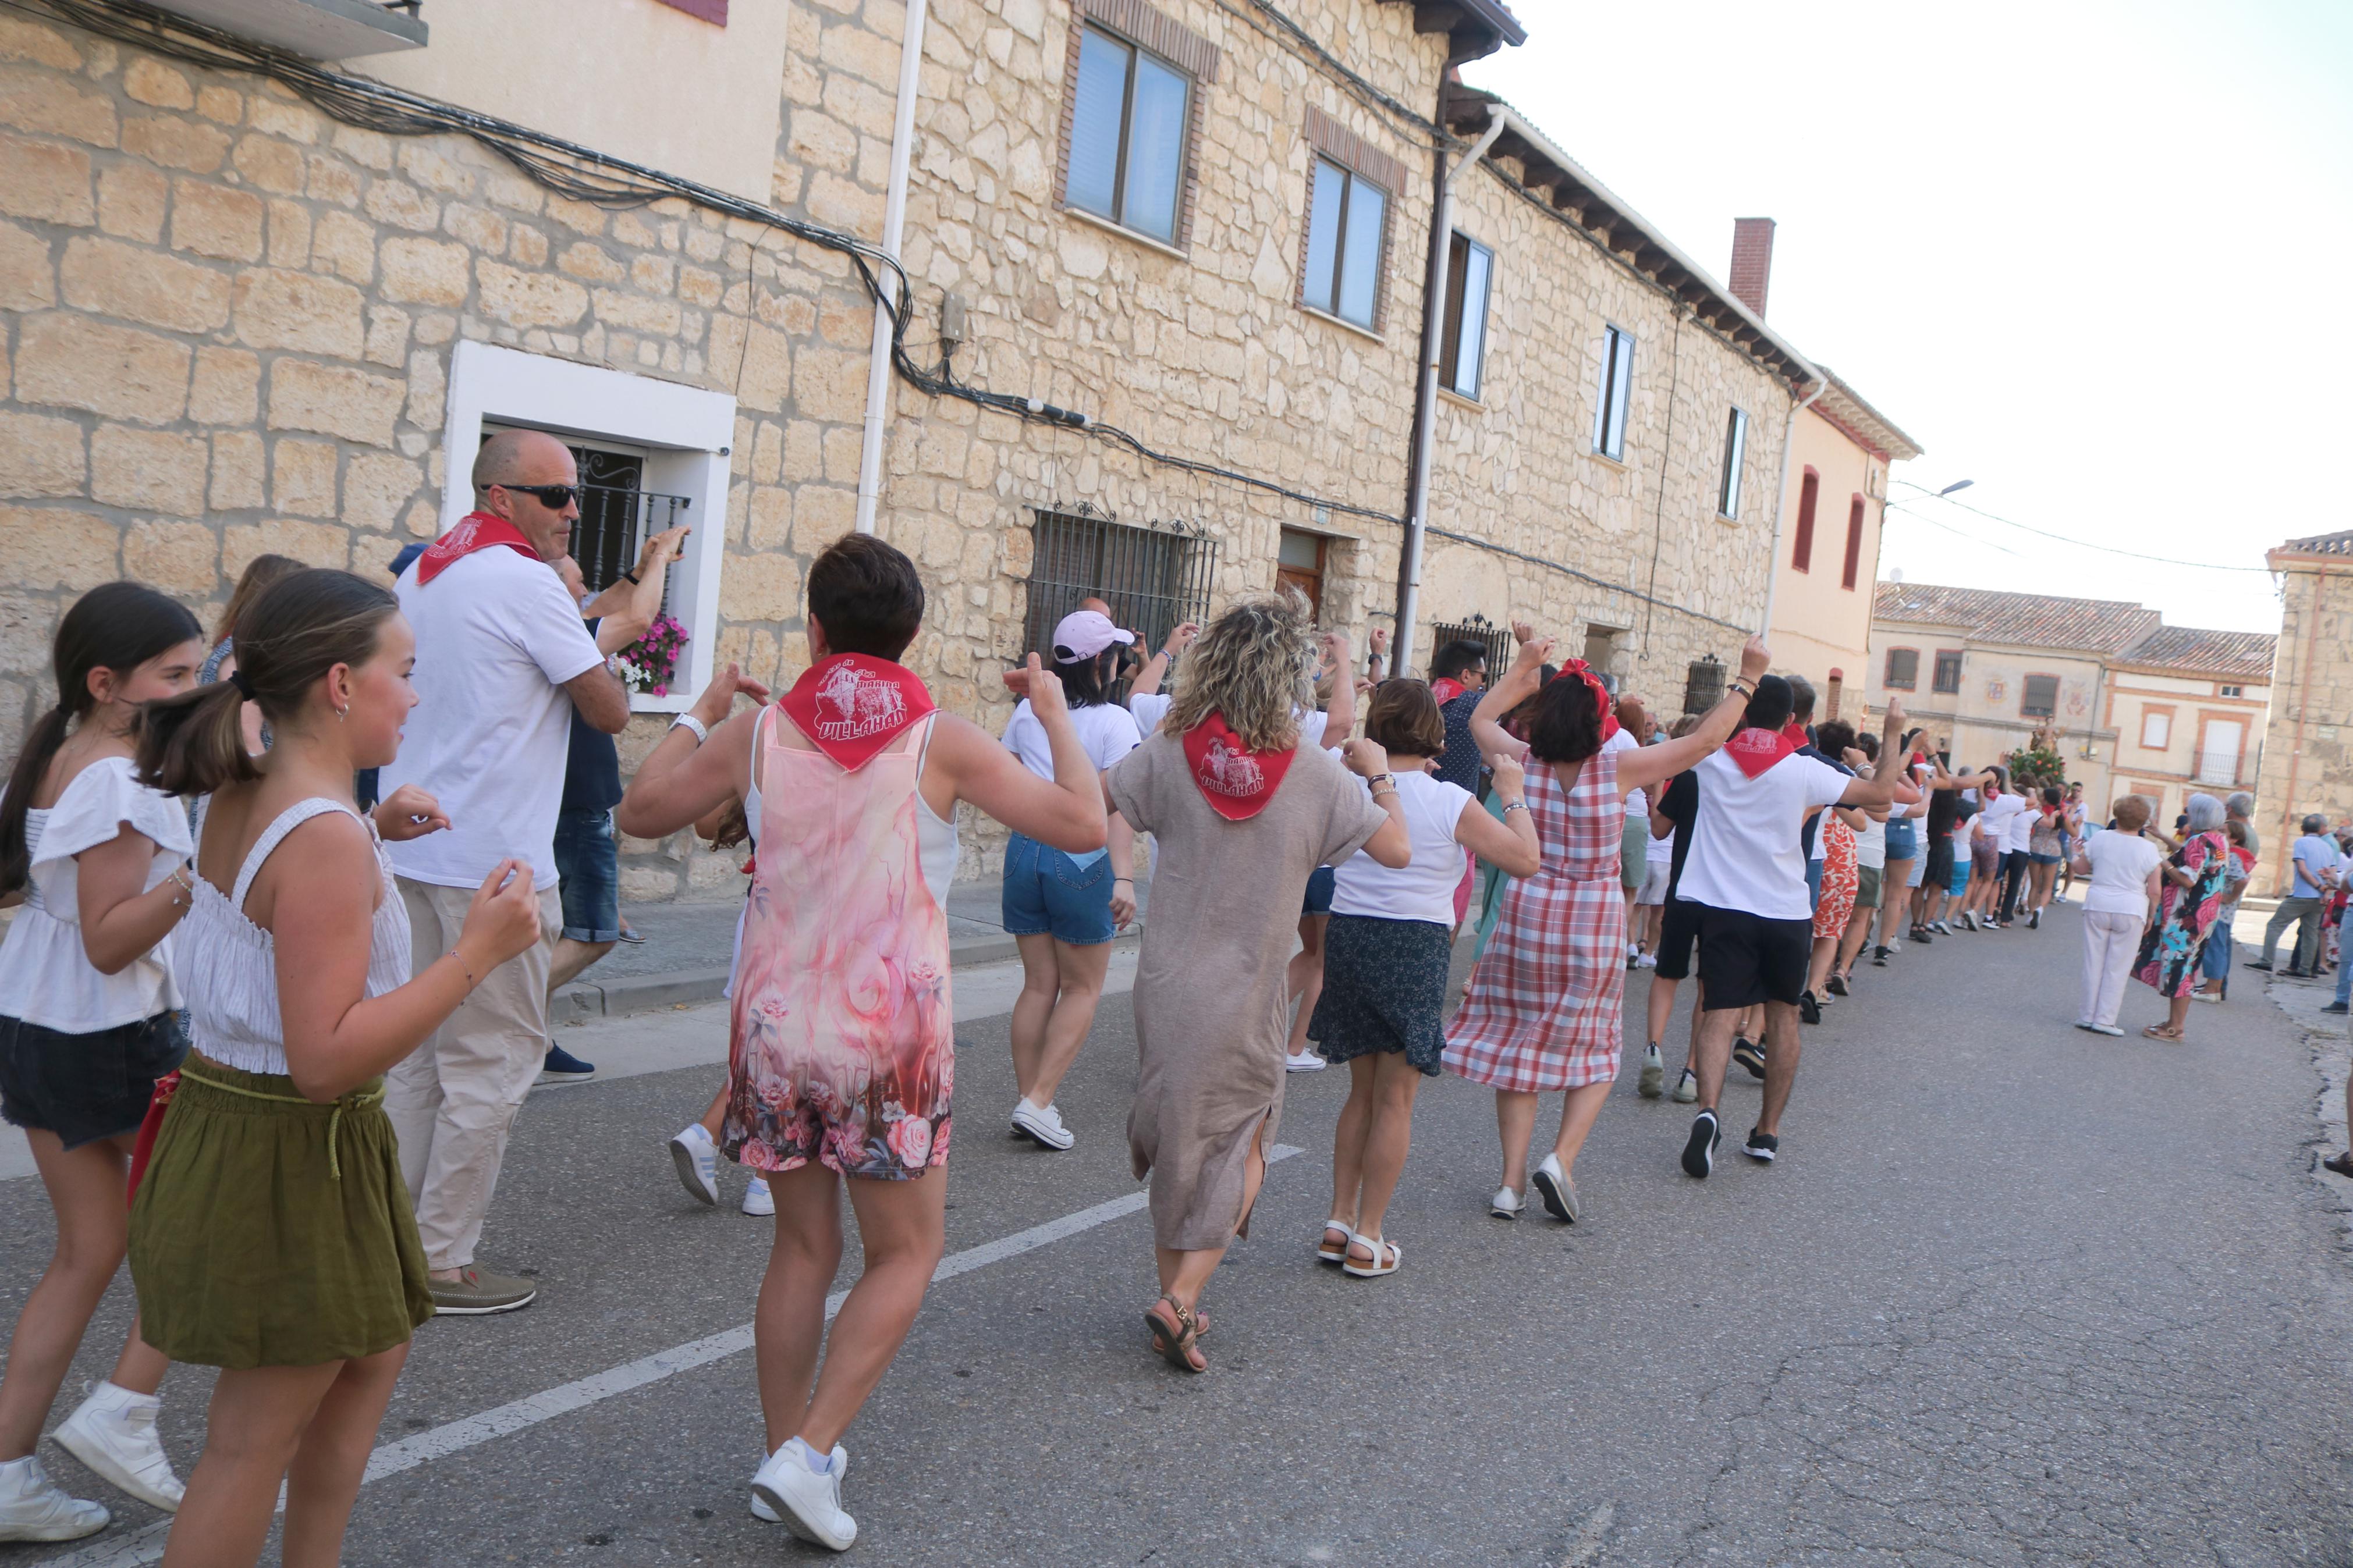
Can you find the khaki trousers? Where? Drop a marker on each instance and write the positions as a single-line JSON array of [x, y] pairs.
[[454, 1097]]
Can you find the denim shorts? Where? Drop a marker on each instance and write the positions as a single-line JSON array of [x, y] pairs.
[[1321, 885], [1903, 841], [589, 875], [1050, 893], [85, 1087]]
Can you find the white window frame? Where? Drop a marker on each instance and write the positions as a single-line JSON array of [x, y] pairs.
[[2151, 717], [685, 432], [1610, 410], [1735, 458]]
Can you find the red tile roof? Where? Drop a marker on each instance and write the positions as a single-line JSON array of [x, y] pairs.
[[2104, 626], [2245, 655]]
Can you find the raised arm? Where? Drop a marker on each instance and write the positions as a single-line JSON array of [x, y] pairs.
[[1340, 714], [685, 777], [1877, 793], [1509, 843], [1155, 668], [1518, 684], [1390, 845], [1641, 769], [1066, 811]]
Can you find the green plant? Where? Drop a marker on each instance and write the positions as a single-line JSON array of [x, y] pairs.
[[2038, 763]]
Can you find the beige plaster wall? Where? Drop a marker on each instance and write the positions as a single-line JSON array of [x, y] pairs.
[[1819, 626]]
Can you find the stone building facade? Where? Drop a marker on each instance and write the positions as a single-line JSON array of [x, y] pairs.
[[234, 324], [2309, 736]]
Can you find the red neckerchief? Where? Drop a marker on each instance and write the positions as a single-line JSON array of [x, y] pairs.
[[1446, 689], [475, 530], [850, 705], [1795, 733], [1754, 750], [1584, 671], [1235, 781]]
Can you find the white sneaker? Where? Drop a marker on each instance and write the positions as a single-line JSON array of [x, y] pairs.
[[1506, 1204], [760, 1508], [34, 1508], [1043, 1125], [113, 1433], [697, 1158], [1305, 1061], [1647, 960], [807, 1503], [758, 1200]]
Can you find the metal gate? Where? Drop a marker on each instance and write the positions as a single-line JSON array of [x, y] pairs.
[[1152, 577]]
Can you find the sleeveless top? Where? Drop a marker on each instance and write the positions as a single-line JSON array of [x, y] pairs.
[[231, 965], [937, 834]]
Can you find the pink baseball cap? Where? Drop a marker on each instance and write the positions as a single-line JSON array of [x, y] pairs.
[[1083, 633]]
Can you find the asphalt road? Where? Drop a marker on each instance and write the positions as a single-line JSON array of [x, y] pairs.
[[2015, 1294]]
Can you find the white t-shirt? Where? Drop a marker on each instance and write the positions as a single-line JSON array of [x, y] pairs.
[[1745, 851], [2021, 826], [2121, 863], [1638, 805], [496, 636], [1424, 888], [45, 974], [1997, 823], [1871, 844], [1107, 731], [1151, 707]]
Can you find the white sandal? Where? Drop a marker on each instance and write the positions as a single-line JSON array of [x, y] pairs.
[[1375, 1270], [1327, 1253]]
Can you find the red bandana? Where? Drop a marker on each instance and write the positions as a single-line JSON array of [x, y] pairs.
[[475, 530], [1754, 750], [850, 706], [1445, 689], [1234, 781], [1795, 733], [1584, 671]]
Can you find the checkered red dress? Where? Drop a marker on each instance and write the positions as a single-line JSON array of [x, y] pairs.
[[1546, 1009]]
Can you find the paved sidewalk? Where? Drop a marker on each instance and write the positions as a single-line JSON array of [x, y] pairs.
[[688, 947]]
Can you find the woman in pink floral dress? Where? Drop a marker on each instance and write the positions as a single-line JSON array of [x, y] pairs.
[[841, 1060], [1546, 1007]]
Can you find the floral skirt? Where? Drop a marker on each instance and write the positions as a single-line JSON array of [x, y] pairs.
[[1384, 990]]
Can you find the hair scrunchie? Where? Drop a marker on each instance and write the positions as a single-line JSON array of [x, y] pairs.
[[244, 687]]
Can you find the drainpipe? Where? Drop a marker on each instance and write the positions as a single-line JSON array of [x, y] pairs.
[[1781, 496], [1425, 411], [894, 219]]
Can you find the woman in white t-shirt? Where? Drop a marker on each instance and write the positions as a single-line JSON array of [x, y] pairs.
[[2123, 867], [88, 1021], [1383, 1006], [1063, 910]]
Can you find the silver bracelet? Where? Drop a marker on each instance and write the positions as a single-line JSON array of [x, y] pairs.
[[690, 723], [1516, 805]]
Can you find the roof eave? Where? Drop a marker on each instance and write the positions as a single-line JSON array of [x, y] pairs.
[[1855, 411], [1473, 28]]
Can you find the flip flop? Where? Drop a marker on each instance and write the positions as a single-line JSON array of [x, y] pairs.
[[2159, 1032]]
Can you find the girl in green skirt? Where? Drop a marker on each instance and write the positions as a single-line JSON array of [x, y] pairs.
[[271, 1236]]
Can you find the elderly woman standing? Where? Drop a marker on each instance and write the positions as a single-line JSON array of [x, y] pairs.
[[1546, 1009], [1242, 814], [2192, 895]]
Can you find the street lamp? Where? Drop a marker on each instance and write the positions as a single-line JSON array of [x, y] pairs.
[[1937, 495]]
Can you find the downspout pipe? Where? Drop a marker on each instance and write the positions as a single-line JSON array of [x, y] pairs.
[[894, 222], [1425, 411], [1781, 496]]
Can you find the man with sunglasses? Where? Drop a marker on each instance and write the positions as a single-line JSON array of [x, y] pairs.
[[503, 662]]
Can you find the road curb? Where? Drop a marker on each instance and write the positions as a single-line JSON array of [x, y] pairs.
[[582, 1000]]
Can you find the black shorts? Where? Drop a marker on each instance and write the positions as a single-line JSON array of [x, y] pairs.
[[1745, 958], [1939, 873], [85, 1087], [1678, 932]]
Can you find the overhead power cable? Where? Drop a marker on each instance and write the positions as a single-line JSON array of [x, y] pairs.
[[2061, 538]]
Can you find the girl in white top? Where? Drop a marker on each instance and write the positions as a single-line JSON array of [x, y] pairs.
[[87, 1026], [271, 1236], [1382, 1010]]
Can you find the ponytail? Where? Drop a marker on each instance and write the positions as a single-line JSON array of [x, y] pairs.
[[194, 743], [117, 627]]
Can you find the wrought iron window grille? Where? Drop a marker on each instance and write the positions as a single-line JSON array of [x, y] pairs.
[[617, 518], [1154, 575], [1478, 628]]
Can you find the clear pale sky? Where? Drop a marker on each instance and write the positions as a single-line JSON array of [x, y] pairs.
[[2092, 255]]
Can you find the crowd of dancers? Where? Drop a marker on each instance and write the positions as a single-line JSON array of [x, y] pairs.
[[268, 1043]]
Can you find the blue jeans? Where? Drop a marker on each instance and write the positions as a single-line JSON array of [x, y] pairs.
[[589, 875], [2344, 979], [2214, 960], [1814, 884], [1050, 893]]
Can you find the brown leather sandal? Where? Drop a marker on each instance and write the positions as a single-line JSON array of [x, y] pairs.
[[1176, 1334]]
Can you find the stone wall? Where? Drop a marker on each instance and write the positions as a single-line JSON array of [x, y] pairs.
[[2308, 742]]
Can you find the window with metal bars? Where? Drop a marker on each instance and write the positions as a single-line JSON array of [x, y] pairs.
[[1476, 628], [618, 514], [1152, 577]]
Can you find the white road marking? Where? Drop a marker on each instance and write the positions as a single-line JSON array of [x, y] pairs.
[[146, 1545]]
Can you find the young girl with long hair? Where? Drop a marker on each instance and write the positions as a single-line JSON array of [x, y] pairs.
[[271, 1236], [1383, 1006], [88, 1023]]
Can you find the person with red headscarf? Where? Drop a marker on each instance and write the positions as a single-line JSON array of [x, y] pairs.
[[1546, 1007]]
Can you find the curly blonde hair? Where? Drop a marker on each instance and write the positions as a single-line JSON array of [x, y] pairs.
[[1248, 666]]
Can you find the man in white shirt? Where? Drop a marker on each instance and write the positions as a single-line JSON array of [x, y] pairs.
[[503, 660], [1997, 826], [1746, 871], [2318, 867]]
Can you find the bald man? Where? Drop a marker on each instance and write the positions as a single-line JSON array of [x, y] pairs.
[[503, 660]]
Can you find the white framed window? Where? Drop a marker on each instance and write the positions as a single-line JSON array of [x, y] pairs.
[[1736, 453], [1469, 269], [2156, 730], [677, 435], [2234, 691], [1128, 132], [1616, 391]]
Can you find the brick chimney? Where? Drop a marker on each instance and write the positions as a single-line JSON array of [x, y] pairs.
[[1752, 261]]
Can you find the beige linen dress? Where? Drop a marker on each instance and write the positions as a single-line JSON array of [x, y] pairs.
[[1212, 1016]]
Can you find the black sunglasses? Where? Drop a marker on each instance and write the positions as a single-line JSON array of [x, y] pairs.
[[555, 497]]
